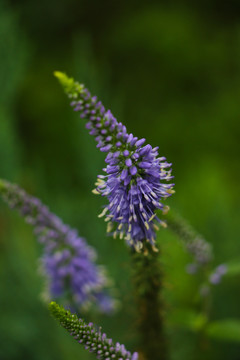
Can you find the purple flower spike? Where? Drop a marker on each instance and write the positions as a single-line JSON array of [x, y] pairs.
[[136, 180], [222, 269], [68, 262], [191, 269], [216, 277]]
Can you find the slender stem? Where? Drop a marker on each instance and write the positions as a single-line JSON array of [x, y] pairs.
[[194, 243], [202, 254], [180, 227], [147, 278]]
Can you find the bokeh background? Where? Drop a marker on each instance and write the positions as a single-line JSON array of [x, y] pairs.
[[170, 70]]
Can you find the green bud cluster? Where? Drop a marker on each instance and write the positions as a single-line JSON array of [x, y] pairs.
[[93, 339]]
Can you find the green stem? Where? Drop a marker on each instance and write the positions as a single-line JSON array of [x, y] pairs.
[[180, 227], [147, 278]]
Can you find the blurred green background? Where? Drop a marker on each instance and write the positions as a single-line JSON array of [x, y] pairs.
[[170, 70]]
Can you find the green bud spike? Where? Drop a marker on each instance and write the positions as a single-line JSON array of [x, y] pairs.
[[71, 87], [93, 339]]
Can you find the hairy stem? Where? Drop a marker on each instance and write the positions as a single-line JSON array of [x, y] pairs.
[[194, 243], [180, 227], [147, 278]]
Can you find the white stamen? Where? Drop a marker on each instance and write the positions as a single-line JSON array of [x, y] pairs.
[[152, 217], [120, 226], [155, 249], [153, 194], [144, 215], [103, 213], [163, 224], [165, 209], [111, 204], [146, 225], [109, 227], [138, 246], [96, 192], [155, 203], [171, 191]]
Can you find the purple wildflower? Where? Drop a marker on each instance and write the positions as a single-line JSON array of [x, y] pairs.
[[216, 277], [201, 251], [67, 262], [136, 179], [94, 340], [191, 268]]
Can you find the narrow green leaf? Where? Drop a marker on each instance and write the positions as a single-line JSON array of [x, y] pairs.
[[227, 330], [233, 268], [188, 319]]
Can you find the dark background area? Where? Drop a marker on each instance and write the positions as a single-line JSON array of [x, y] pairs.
[[170, 71]]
